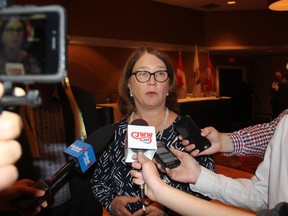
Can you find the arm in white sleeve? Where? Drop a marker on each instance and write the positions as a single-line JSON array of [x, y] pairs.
[[237, 192]]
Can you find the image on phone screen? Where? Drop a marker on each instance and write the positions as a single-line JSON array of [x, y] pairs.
[[165, 157]]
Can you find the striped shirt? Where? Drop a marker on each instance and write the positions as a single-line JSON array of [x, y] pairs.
[[51, 138], [254, 140]]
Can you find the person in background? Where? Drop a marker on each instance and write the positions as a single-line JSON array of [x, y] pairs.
[[67, 113], [278, 77], [147, 90], [181, 202], [14, 58]]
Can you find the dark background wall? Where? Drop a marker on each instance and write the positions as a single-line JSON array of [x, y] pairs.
[[96, 64]]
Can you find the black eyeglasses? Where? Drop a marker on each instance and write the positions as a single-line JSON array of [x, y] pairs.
[[12, 30], [144, 76]]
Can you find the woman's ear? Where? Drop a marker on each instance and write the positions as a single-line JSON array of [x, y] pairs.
[[129, 86]]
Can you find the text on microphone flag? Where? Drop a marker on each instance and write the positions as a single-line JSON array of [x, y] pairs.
[[83, 153], [142, 136]]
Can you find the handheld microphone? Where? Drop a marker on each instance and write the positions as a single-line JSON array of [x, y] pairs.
[[14, 68], [140, 137], [140, 130], [32, 99], [79, 155]]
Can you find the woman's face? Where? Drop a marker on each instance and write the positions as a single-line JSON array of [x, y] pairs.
[[151, 94], [13, 34]]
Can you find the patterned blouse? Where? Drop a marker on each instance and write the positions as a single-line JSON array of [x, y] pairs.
[[112, 176]]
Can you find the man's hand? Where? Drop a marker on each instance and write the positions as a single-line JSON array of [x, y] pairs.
[[189, 169], [18, 189], [10, 149], [221, 142]]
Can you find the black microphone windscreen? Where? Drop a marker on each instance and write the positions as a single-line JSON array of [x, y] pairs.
[[140, 122], [99, 138]]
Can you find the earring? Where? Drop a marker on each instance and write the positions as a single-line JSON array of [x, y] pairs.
[[167, 94], [131, 94]]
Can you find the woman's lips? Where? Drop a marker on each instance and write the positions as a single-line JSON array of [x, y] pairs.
[[151, 93]]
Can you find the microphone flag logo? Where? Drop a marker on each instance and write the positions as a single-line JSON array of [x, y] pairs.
[[82, 153], [142, 136]]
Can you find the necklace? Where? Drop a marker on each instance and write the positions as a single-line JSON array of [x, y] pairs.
[[164, 122]]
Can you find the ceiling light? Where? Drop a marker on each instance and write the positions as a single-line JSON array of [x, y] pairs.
[[231, 2], [278, 5]]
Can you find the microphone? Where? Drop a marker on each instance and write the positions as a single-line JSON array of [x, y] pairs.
[[141, 138], [32, 99], [14, 68], [79, 155]]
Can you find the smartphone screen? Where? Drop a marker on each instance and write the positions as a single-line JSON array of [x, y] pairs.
[[165, 157], [39, 36]]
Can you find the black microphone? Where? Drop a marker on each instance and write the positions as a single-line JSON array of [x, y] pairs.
[[79, 155], [32, 99]]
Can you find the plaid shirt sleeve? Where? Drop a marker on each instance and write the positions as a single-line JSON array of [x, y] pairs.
[[253, 140]]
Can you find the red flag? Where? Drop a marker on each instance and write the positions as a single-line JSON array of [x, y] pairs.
[[209, 61], [181, 79], [208, 83]]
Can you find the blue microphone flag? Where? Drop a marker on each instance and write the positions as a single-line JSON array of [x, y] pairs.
[[82, 153]]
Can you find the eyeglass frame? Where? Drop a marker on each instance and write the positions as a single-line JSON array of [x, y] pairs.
[[14, 30], [150, 74]]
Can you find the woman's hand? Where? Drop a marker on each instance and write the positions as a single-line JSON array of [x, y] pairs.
[[118, 205], [153, 209]]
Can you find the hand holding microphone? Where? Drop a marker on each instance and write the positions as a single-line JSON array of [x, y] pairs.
[[141, 139], [79, 155]]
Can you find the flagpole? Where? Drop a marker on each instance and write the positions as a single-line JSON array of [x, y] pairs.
[[181, 79], [196, 70]]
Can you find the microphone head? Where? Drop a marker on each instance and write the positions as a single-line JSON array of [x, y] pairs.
[[101, 137], [140, 138], [140, 122]]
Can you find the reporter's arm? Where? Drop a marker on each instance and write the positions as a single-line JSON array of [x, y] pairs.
[[172, 198], [186, 204], [253, 140]]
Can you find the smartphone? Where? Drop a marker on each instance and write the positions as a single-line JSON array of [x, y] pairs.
[[165, 157], [189, 130], [43, 44]]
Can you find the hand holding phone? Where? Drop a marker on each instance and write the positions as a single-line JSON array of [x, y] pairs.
[[189, 130], [165, 157]]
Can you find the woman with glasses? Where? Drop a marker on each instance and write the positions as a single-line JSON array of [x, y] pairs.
[[147, 90], [14, 58]]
